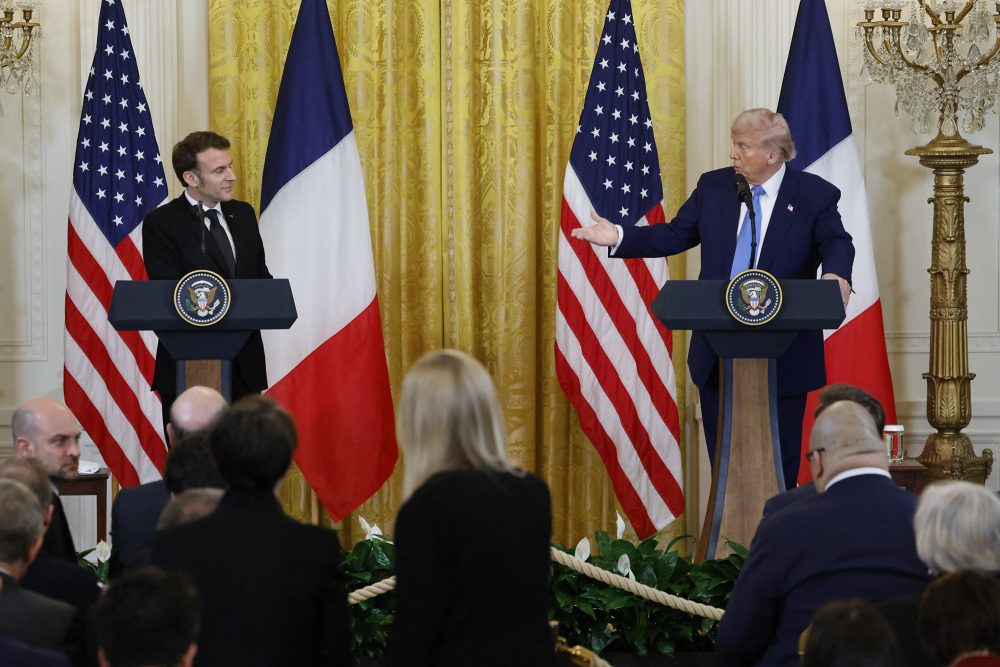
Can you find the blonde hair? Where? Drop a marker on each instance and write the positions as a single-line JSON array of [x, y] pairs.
[[773, 129], [449, 418]]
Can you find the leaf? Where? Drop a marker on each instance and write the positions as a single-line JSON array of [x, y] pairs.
[[586, 608], [603, 542], [738, 548]]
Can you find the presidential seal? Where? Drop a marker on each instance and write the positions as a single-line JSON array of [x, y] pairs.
[[753, 297], [201, 298]]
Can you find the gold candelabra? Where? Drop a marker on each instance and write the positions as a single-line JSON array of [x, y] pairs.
[[943, 64], [17, 52]]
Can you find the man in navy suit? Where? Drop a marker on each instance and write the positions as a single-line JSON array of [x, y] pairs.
[[853, 539], [799, 230]]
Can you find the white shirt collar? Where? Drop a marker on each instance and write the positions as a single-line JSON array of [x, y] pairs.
[[773, 184], [855, 472], [193, 202]]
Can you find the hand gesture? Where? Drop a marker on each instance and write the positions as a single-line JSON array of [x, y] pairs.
[[602, 232]]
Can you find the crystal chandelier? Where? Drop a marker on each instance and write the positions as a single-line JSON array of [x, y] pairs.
[[17, 48], [941, 60]]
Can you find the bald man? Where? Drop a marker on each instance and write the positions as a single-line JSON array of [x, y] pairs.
[[136, 510], [45, 429], [854, 538]]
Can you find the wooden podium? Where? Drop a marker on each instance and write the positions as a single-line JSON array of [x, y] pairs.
[[747, 468], [204, 354]]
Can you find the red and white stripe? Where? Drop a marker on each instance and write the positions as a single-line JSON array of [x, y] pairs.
[[613, 360], [107, 374]]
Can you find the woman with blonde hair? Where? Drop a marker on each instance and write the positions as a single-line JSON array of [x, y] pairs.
[[472, 539]]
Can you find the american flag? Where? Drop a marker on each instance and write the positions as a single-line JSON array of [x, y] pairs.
[[117, 179], [613, 357]]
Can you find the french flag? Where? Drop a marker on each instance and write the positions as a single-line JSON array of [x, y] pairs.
[[812, 100], [329, 370]]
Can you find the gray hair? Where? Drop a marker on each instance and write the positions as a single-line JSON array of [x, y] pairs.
[[773, 128], [189, 505], [957, 526], [449, 418], [30, 472], [21, 521]]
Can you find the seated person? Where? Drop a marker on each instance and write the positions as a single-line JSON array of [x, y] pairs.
[[850, 633], [960, 620]]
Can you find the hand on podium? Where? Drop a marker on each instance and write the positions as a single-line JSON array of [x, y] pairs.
[[845, 287], [602, 232]]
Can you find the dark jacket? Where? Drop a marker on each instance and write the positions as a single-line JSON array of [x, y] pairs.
[[133, 521]]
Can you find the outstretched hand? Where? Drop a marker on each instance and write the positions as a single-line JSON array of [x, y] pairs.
[[602, 232]]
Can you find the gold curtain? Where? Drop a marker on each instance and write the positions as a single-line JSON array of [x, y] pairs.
[[464, 114]]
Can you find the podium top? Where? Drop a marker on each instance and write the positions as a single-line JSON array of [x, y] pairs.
[[141, 305], [701, 305]]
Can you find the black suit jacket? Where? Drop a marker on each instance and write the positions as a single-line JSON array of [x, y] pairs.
[[805, 232], [37, 620], [57, 579], [903, 616], [854, 540], [472, 570], [14, 652], [273, 590], [786, 498], [58, 540], [133, 521], [176, 242]]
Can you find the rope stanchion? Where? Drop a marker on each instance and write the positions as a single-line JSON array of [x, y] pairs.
[[371, 590], [634, 587]]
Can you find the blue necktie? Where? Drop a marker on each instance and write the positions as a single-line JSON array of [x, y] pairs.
[[741, 258]]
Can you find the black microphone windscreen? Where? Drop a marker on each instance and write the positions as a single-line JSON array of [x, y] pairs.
[[742, 188]]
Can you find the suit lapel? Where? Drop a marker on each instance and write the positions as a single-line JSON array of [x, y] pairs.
[[782, 218], [230, 215], [729, 212]]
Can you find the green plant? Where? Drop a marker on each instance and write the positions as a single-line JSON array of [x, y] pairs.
[[99, 564], [602, 617], [370, 561]]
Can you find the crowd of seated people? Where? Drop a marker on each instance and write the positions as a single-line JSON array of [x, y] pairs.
[[211, 571]]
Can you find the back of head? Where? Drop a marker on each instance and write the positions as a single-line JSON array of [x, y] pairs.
[[190, 465], [147, 617], [191, 505], [21, 522], [31, 473], [848, 392], [845, 433], [195, 411], [448, 418], [957, 526], [772, 127], [960, 613], [253, 442], [850, 633]]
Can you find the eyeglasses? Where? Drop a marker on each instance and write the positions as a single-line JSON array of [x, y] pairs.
[[809, 454]]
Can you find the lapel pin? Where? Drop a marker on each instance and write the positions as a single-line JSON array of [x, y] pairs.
[[791, 209]]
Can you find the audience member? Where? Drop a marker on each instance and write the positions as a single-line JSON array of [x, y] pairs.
[[135, 511], [25, 615], [47, 575], [472, 539], [827, 397], [960, 620], [957, 527], [854, 538], [148, 617], [189, 505], [272, 588], [190, 465], [46, 430], [850, 633]]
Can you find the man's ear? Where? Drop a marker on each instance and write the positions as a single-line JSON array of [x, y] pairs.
[[47, 517], [188, 658], [22, 447], [34, 548], [170, 432], [190, 178]]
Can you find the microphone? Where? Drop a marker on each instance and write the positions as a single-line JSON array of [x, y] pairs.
[[746, 196], [199, 214]]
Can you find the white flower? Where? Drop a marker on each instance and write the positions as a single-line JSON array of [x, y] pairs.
[[625, 567], [103, 551], [619, 525], [371, 530], [582, 549]]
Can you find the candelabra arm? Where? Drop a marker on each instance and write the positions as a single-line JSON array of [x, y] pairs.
[[935, 17], [871, 47], [964, 10], [25, 40], [988, 57], [914, 64]]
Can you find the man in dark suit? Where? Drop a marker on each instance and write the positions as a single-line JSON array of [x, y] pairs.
[[205, 228], [46, 430], [24, 615], [136, 510], [799, 229], [853, 539], [829, 396], [272, 588]]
